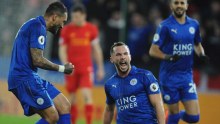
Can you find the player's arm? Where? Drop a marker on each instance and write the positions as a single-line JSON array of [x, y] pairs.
[[63, 53], [41, 62], [157, 53], [108, 113], [98, 58], [199, 50], [157, 102]]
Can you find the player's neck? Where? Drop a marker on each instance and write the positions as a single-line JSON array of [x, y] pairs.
[[80, 24], [180, 20], [124, 74]]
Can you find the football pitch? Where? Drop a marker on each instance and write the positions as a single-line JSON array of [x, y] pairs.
[[13, 119]]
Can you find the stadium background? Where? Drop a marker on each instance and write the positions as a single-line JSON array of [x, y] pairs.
[[131, 21]]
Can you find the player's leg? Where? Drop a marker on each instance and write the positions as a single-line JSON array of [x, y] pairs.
[[173, 116], [49, 116], [171, 98], [71, 86], [61, 103], [88, 108], [191, 104], [86, 83], [35, 99], [63, 107]]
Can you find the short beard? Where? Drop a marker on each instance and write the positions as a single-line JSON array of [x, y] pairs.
[[178, 15], [54, 30]]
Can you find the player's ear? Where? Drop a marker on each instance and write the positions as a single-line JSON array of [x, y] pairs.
[[54, 17], [111, 60]]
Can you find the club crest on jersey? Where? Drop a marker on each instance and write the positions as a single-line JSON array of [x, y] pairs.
[[154, 87], [133, 81], [191, 30], [41, 40], [40, 101], [167, 97], [156, 37]]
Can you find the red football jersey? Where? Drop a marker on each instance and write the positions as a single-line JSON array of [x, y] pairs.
[[78, 40]]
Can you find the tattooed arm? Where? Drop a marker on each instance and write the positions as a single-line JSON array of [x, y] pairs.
[[41, 62]]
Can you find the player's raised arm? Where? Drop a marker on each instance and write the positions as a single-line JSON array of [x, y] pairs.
[[41, 62], [108, 113]]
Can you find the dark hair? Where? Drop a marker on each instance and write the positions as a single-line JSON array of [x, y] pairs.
[[56, 8], [79, 8], [187, 1], [116, 44]]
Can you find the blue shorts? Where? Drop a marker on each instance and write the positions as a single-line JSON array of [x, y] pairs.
[[35, 95], [184, 92]]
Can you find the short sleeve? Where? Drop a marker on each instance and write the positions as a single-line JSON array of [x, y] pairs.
[[37, 36], [151, 84], [160, 35], [109, 98], [63, 36], [198, 38]]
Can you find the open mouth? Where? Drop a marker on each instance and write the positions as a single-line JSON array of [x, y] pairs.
[[123, 65]]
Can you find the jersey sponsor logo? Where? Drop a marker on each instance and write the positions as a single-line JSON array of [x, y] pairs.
[[167, 97], [191, 30], [182, 49], [174, 30], [133, 81], [154, 87], [41, 40], [156, 37], [128, 102], [40, 101]]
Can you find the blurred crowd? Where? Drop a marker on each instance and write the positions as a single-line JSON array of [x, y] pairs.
[[137, 18]]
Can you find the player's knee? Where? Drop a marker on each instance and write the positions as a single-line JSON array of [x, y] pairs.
[[65, 107], [53, 118], [191, 118]]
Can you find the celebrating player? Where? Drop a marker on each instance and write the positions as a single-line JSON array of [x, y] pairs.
[[134, 91], [174, 42], [78, 42], [35, 94]]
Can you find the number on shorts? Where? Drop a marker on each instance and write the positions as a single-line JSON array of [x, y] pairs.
[[192, 88]]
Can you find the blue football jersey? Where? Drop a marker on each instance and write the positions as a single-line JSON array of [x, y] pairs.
[[32, 34], [175, 38], [131, 96]]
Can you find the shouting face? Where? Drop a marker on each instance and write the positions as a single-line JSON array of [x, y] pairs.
[[179, 7], [121, 58]]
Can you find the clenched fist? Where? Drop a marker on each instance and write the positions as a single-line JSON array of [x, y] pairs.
[[68, 68]]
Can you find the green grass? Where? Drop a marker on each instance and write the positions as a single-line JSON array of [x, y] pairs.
[[13, 119]]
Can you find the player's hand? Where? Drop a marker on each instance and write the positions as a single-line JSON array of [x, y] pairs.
[[204, 58], [172, 58], [100, 74], [68, 68]]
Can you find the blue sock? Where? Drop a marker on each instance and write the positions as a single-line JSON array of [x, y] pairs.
[[189, 118], [64, 119], [42, 121], [173, 118]]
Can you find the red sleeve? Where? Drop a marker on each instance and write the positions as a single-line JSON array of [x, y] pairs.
[[63, 36]]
